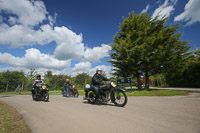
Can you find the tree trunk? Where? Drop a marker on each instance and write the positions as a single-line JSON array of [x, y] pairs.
[[22, 85], [7, 86], [146, 80], [139, 81]]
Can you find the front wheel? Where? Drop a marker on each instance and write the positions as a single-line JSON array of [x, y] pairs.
[[120, 98], [76, 93], [46, 96]]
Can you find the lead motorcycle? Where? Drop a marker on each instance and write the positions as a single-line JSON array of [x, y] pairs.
[[107, 92], [40, 92]]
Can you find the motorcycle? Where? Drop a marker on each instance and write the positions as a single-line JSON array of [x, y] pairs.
[[107, 92], [40, 92], [73, 92]]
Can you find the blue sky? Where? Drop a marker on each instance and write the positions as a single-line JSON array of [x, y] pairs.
[[73, 36]]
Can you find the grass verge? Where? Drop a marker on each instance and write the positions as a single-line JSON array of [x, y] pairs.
[[151, 92], [11, 121]]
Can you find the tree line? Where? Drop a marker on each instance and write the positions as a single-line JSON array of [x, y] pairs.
[[15, 80]]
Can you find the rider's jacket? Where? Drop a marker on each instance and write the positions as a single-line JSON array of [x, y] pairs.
[[36, 82], [67, 85], [97, 79]]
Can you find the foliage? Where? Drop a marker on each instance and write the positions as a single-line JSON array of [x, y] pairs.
[[56, 82], [11, 80], [186, 75], [145, 46], [81, 79]]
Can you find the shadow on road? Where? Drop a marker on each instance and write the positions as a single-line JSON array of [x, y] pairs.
[[3, 96], [101, 104]]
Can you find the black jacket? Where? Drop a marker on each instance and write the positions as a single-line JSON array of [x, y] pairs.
[[97, 79], [67, 85]]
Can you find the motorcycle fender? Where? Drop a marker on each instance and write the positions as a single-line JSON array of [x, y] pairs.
[[112, 97]]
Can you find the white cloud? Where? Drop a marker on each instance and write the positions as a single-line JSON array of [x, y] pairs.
[[146, 9], [82, 67], [97, 53], [29, 13], [70, 44], [25, 25], [34, 59], [191, 13], [40, 71], [86, 67], [22, 35], [164, 10]]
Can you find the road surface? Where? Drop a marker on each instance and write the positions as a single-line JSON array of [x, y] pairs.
[[177, 114]]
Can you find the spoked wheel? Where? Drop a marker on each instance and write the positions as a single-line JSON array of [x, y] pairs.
[[91, 95], [120, 98], [46, 96], [34, 96], [76, 93]]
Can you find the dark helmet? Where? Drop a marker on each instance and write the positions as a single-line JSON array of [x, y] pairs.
[[38, 76], [98, 70]]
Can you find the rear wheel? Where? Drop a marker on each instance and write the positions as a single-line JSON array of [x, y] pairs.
[[120, 98]]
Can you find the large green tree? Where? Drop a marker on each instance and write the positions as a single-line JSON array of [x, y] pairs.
[[146, 46]]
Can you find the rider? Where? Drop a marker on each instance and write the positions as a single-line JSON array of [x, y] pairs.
[[38, 80], [67, 86], [97, 81]]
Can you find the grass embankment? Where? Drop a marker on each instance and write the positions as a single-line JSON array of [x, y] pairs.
[[11, 121]]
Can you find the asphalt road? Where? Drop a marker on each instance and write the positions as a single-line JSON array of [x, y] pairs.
[[177, 114]]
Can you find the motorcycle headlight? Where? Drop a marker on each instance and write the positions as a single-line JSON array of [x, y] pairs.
[[87, 86], [113, 84], [44, 87]]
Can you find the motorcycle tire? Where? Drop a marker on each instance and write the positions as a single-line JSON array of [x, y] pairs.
[[120, 98], [91, 95], [34, 96], [46, 96], [76, 94]]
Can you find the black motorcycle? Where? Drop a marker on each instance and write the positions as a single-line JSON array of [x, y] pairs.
[[40, 92], [107, 92]]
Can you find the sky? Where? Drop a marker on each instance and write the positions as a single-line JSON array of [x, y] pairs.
[[73, 36]]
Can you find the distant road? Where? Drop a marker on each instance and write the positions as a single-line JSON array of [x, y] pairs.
[[177, 114], [197, 90], [183, 89]]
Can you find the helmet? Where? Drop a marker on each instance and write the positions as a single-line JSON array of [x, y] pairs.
[[38, 76], [98, 70]]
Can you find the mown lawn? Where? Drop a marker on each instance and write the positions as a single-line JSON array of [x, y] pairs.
[[150, 92]]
